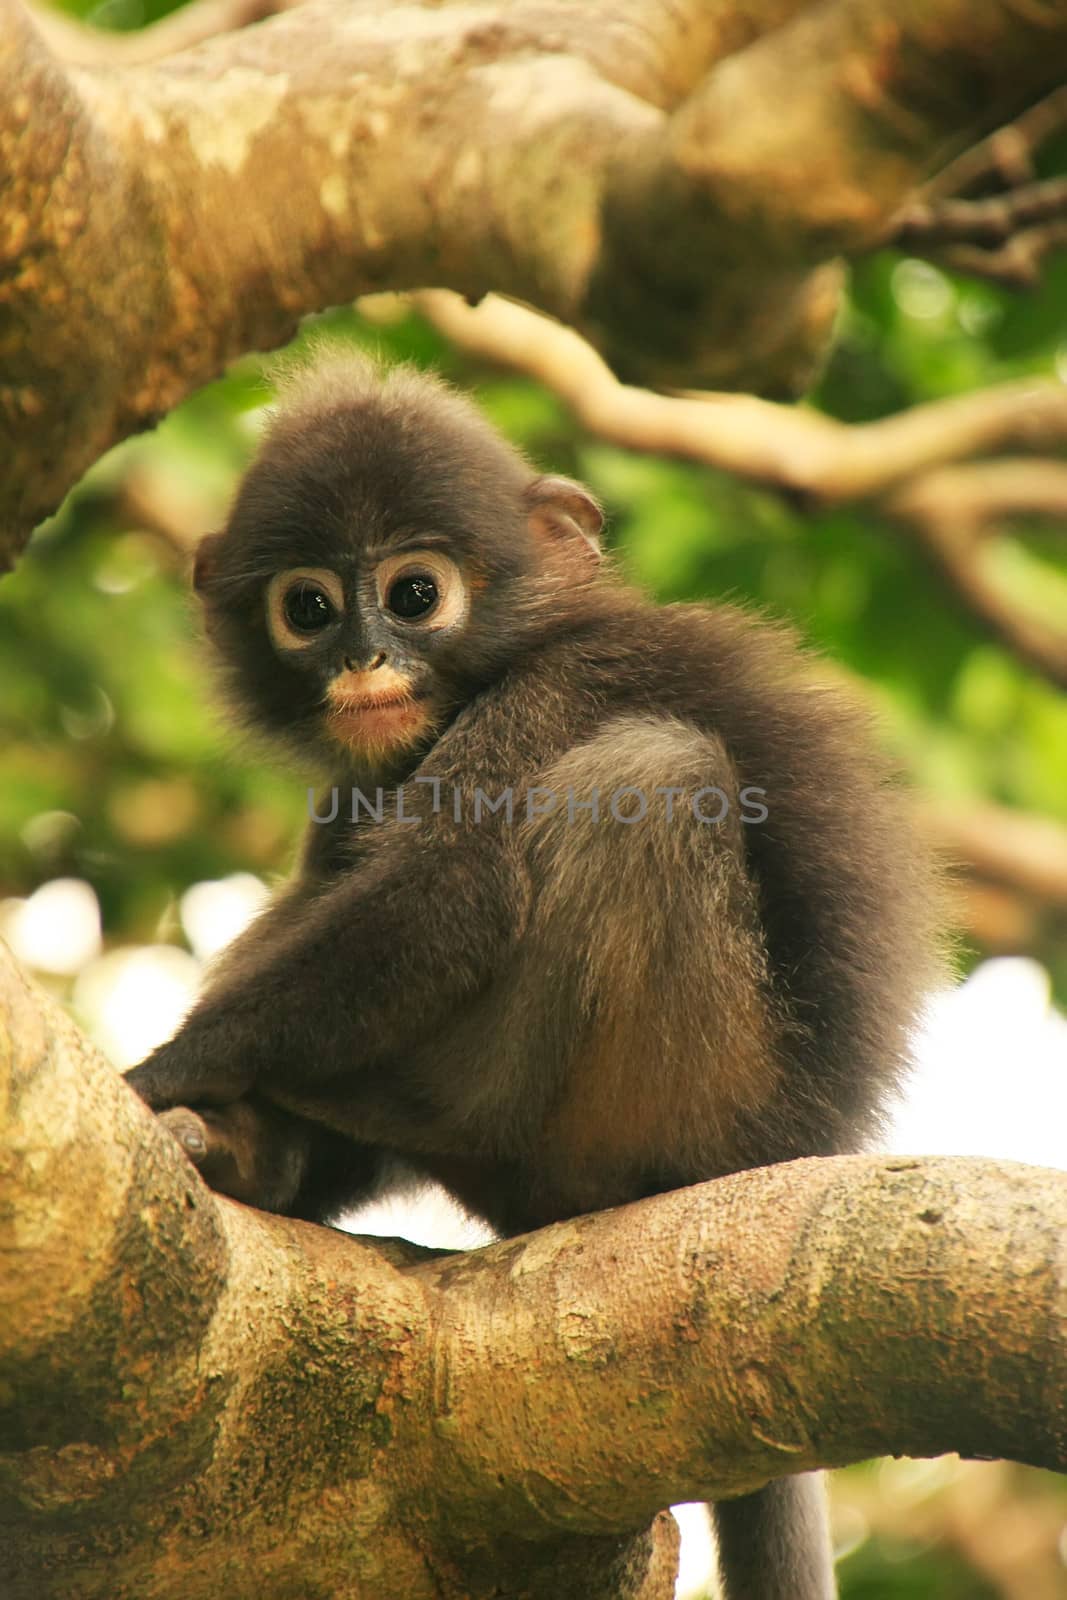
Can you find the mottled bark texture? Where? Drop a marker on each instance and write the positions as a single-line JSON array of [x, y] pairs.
[[199, 1400], [675, 178]]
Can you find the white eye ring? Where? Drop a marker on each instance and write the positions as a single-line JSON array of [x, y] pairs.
[[452, 598], [284, 635]]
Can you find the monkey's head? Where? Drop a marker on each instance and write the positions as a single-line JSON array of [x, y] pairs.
[[387, 555]]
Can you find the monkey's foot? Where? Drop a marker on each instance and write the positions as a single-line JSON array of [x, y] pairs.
[[248, 1149], [222, 1143]]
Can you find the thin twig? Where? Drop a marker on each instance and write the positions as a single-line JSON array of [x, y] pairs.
[[1006, 156], [954, 513], [1003, 236]]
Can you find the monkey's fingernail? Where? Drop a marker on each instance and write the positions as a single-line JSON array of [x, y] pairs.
[[194, 1141]]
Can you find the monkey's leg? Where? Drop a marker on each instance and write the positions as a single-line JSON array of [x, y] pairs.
[[642, 998], [681, 1065], [775, 1544], [175, 1075], [269, 1158], [247, 1150]]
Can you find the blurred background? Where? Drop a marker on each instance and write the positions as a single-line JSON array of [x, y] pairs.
[[138, 833]]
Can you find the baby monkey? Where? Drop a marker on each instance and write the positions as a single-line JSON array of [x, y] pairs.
[[602, 898]]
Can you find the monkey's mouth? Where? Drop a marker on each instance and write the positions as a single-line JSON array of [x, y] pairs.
[[377, 719], [379, 703]]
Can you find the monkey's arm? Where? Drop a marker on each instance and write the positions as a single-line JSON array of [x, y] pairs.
[[330, 980]]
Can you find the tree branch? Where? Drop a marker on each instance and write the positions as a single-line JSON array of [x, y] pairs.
[[1022, 851], [199, 1398], [870, 97], [1009, 873], [804, 452], [1007, 155], [611, 164], [895, 462], [1003, 236], [952, 513]]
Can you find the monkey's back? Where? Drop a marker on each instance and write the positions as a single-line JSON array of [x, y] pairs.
[[695, 992]]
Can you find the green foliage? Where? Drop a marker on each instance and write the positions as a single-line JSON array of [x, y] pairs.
[[900, 1569]]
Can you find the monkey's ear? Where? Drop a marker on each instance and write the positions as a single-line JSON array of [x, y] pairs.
[[205, 562], [559, 508]]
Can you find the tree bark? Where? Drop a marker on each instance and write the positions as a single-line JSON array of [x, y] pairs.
[[197, 1399], [616, 165]]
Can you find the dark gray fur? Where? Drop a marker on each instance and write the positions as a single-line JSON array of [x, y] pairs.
[[549, 1017]]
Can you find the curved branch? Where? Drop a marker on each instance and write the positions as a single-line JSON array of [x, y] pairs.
[[952, 513], [869, 98], [200, 1398], [801, 451]]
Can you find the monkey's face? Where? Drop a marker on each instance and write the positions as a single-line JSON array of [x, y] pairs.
[[369, 640], [387, 557]]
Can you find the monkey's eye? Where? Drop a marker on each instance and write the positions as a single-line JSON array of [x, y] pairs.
[[424, 587], [412, 596], [307, 607], [301, 603]]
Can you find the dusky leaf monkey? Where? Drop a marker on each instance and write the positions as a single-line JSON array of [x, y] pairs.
[[604, 898]]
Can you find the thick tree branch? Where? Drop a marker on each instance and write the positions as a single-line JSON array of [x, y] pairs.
[[869, 98], [711, 31], [200, 1399], [611, 164], [719, 1411]]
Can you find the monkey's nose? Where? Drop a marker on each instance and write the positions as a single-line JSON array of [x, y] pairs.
[[370, 666]]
